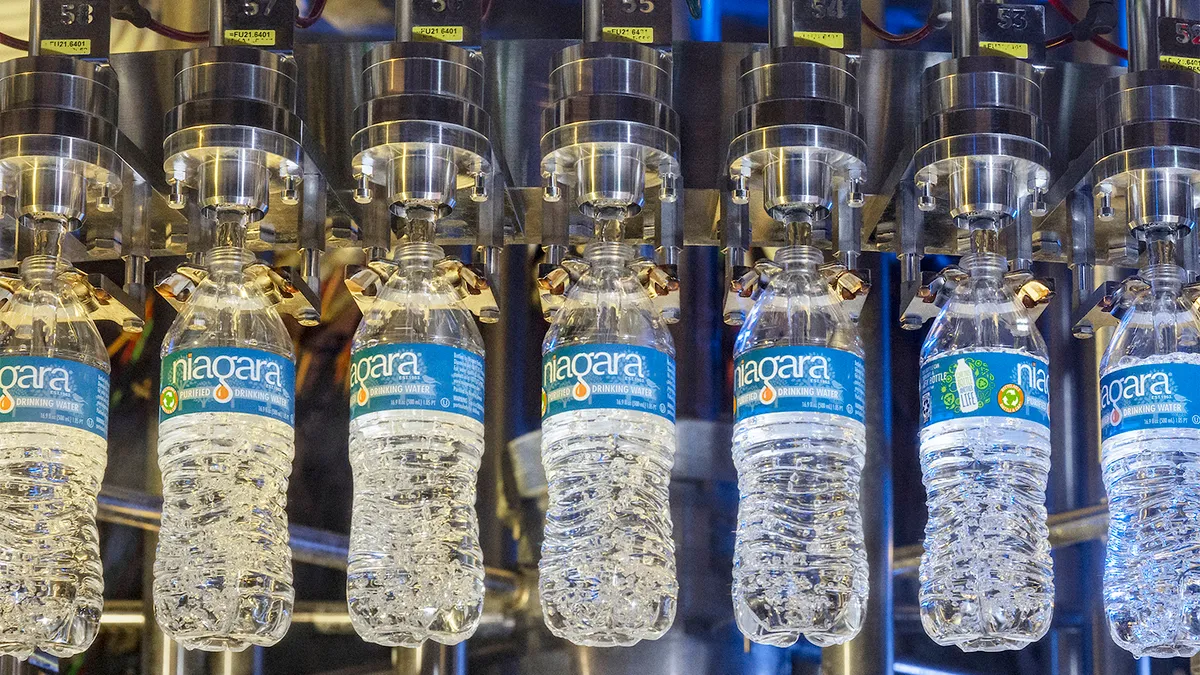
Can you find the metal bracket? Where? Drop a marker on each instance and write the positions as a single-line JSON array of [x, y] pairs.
[[747, 284], [1100, 309], [923, 301], [103, 299], [661, 282], [469, 282], [297, 300]]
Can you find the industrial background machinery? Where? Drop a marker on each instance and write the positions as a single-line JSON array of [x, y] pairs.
[[708, 132]]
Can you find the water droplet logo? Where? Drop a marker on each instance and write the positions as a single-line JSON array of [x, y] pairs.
[[768, 394], [223, 394], [362, 397], [7, 404], [581, 391], [1116, 416]]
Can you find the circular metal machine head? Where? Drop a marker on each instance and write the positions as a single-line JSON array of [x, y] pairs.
[[1149, 148], [610, 131], [423, 132], [983, 136], [58, 134], [797, 132], [233, 127]]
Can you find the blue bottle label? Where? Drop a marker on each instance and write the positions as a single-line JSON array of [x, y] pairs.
[[54, 391], [985, 384], [608, 376], [1150, 396], [416, 377], [799, 379], [227, 380]]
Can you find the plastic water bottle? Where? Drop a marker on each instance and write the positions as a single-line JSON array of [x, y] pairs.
[[53, 449], [223, 570], [1150, 425], [986, 575], [416, 440], [607, 572], [799, 446]]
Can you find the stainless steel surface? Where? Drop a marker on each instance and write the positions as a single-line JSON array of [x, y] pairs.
[[610, 133], [1143, 28], [430, 659], [964, 27], [780, 23]]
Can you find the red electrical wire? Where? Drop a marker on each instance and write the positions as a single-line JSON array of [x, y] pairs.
[[318, 8], [1060, 41], [901, 39], [176, 34], [14, 42], [1116, 50], [314, 15]]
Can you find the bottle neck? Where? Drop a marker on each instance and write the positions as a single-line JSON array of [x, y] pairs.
[[799, 258], [608, 254], [1165, 278], [229, 261], [41, 270], [984, 265], [418, 255]]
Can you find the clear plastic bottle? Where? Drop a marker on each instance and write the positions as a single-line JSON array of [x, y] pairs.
[[799, 447], [53, 450], [416, 440], [986, 575], [607, 572], [223, 570], [1151, 463]]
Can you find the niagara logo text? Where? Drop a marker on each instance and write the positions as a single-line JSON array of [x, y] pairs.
[[31, 377], [394, 364], [1033, 377], [224, 367], [784, 367], [53, 378], [584, 364], [1116, 391]]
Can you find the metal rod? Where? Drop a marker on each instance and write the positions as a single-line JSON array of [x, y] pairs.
[[404, 20], [1066, 529], [216, 23], [781, 28], [35, 27], [309, 545], [593, 20], [964, 28]]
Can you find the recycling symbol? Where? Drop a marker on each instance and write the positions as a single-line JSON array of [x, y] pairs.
[[1011, 398]]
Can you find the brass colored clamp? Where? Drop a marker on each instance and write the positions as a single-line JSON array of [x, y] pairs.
[[469, 282], [297, 300], [936, 288], [747, 283], [103, 299], [660, 281]]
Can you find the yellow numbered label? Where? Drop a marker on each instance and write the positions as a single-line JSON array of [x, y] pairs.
[[820, 38], [250, 38], [1180, 63], [438, 33], [1017, 50], [629, 34], [68, 47]]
